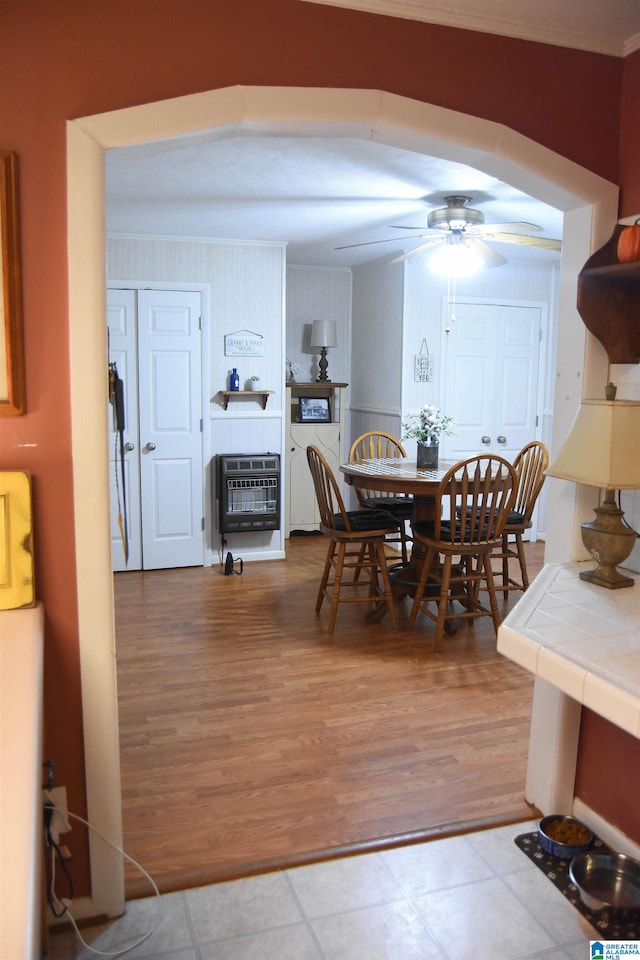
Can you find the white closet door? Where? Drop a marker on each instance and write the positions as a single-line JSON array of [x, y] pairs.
[[155, 340], [492, 379]]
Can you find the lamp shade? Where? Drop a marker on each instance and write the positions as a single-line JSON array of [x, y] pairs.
[[602, 447], [323, 333]]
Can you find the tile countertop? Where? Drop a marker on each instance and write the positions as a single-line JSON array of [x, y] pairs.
[[582, 639]]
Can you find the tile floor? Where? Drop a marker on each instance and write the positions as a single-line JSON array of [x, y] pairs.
[[473, 896]]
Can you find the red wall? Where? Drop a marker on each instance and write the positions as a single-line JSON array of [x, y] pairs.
[[73, 58], [607, 759]]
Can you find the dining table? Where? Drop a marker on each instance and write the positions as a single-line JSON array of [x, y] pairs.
[[398, 476]]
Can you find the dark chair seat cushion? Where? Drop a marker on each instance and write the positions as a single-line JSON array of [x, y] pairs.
[[426, 528], [399, 506], [368, 520], [514, 517]]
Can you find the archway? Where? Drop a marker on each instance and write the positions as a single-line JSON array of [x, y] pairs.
[[590, 206]]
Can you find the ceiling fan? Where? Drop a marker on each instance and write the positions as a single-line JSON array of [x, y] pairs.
[[457, 223]]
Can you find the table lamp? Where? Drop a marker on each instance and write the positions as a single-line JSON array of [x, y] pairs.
[[603, 450], [323, 335]]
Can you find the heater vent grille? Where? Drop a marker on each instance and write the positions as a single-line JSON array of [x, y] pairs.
[[248, 492]]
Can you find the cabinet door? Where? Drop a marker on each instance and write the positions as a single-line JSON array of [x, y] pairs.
[[303, 509]]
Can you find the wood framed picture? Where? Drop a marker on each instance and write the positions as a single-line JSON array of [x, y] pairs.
[[12, 385], [314, 410]]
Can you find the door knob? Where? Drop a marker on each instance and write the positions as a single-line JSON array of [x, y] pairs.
[[486, 439], [502, 439], [150, 446], [129, 446]]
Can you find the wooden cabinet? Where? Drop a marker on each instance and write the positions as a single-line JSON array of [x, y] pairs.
[[609, 301], [301, 510]]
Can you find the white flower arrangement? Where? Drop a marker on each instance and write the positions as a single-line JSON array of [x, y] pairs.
[[292, 369], [429, 425]]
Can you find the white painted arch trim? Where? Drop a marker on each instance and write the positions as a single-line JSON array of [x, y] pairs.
[[589, 201]]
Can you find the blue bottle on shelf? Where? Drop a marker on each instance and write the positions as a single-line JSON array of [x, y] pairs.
[[234, 380]]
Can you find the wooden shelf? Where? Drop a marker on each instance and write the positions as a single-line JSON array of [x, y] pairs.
[[608, 297], [316, 384], [262, 395]]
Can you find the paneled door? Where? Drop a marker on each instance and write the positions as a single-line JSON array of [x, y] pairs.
[[124, 481], [164, 435], [492, 378]]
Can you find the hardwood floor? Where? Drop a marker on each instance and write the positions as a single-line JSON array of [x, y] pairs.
[[250, 739]]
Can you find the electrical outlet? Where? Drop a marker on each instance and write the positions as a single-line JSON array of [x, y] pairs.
[[56, 801]]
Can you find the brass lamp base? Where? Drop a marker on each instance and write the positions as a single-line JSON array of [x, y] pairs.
[[609, 542]]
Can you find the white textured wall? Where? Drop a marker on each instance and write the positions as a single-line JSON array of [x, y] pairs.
[[319, 293], [378, 294], [246, 291]]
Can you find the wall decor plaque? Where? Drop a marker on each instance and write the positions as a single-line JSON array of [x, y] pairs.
[[243, 343]]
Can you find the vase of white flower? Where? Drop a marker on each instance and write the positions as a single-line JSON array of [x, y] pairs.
[[427, 428], [292, 369]]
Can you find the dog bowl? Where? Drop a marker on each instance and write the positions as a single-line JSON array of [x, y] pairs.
[[564, 837], [607, 880]]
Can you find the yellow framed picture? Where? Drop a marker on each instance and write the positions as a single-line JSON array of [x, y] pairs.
[[17, 588]]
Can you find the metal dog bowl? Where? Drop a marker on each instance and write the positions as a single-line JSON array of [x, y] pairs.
[[555, 835], [607, 880]]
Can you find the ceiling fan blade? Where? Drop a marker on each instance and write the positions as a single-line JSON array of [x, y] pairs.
[[519, 226], [546, 243], [370, 243], [490, 256], [410, 253], [397, 226]]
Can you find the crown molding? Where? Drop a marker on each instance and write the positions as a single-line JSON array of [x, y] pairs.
[[426, 12], [631, 44]]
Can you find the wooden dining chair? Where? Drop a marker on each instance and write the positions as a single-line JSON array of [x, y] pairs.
[[374, 445], [356, 543], [472, 503], [530, 466]]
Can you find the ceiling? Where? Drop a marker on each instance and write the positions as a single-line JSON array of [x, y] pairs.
[[319, 193], [313, 193]]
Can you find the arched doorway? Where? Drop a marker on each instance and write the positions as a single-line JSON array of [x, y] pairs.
[[590, 206]]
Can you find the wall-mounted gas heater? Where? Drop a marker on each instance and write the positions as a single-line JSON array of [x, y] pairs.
[[248, 492]]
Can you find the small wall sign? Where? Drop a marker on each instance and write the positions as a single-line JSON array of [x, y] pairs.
[[243, 343], [423, 370]]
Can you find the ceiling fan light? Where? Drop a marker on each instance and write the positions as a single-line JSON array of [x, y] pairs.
[[457, 259]]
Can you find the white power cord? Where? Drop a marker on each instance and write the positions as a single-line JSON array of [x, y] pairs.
[[64, 904]]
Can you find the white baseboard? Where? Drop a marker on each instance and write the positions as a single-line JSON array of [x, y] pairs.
[[82, 909]]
